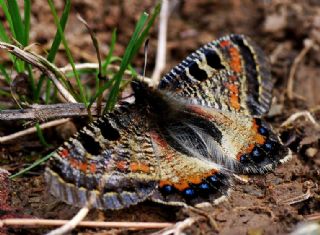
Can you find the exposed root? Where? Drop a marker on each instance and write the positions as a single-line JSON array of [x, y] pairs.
[[256, 208], [308, 44]]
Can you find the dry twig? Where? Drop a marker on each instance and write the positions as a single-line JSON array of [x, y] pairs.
[[162, 43], [300, 198], [68, 68], [297, 115], [315, 216], [297, 199], [178, 228], [32, 130], [38, 112], [36, 223], [72, 224], [42, 64]]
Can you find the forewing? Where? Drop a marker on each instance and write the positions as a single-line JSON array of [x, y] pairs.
[[109, 161], [241, 58]]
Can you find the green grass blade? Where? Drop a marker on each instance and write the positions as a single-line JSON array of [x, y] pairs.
[[27, 14], [35, 164], [70, 58], [105, 86], [31, 79], [19, 65], [5, 74], [107, 61], [112, 99], [47, 94], [55, 44], [110, 53], [135, 43], [41, 137], [3, 35], [16, 20], [7, 15], [133, 71], [5, 93], [145, 32], [57, 38]]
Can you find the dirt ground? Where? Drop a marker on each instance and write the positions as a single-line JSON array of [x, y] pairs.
[[269, 204]]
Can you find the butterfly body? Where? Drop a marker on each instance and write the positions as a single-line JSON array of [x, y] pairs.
[[179, 143]]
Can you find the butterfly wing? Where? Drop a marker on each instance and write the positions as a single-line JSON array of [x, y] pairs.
[[187, 179], [225, 87], [109, 161], [239, 143], [246, 89]]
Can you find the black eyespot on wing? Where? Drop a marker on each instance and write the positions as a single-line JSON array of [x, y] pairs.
[[213, 59], [257, 155], [167, 189], [244, 159], [270, 145], [189, 193], [214, 180], [89, 143], [107, 131], [263, 131], [197, 73]]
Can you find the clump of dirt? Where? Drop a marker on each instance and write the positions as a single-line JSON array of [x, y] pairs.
[[266, 204]]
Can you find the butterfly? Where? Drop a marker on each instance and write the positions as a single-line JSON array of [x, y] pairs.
[[181, 142]]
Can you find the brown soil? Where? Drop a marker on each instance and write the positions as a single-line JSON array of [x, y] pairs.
[[257, 207]]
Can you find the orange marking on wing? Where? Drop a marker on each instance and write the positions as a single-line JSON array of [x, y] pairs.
[[64, 153], [234, 101], [200, 111], [158, 139], [136, 166], [93, 168], [74, 163], [233, 78], [185, 183], [259, 139], [234, 96], [121, 165], [254, 125], [246, 150], [224, 43], [164, 182], [235, 62], [256, 139], [197, 179], [232, 87], [169, 156], [181, 185], [83, 166]]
